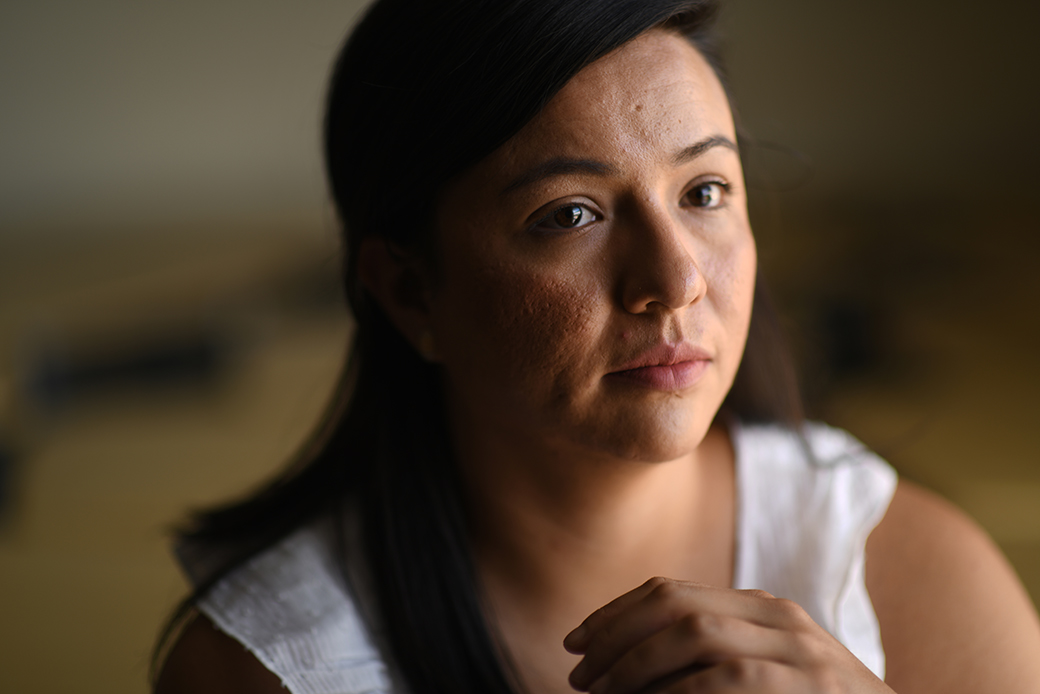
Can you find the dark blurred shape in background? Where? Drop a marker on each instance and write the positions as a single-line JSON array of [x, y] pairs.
[[57, 381], [170, 318]]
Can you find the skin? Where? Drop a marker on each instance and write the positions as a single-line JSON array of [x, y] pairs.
[[583, 486], [590, 489]]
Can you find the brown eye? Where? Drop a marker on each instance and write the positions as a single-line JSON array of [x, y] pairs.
[[707, 194], [568, 217]]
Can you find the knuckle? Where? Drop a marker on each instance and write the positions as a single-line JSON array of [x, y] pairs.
[[700, 625], [789, 606], [665, 591], [792, 612], [657, 581], [760, 594]]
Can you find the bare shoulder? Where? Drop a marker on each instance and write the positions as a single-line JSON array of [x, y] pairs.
[[205, 660], [953, 615]]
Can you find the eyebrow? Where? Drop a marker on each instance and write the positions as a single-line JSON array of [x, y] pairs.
[[562, 166], [695, 150], [559, 166]]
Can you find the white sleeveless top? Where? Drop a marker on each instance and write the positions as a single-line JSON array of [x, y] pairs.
[[802, 526]]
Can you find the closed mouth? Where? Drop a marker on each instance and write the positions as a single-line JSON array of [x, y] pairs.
[[666, 367]]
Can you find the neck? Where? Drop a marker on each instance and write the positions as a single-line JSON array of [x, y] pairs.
[[550, 525]]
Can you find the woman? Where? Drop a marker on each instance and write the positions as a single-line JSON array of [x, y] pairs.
[[545, 475]]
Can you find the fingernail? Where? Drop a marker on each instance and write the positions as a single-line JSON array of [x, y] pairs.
[[576, 638], [601, 685]]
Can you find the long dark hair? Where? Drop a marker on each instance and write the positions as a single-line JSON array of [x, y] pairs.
[[422, 90]]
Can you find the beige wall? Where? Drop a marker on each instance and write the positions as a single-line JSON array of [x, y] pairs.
[[117, 110]]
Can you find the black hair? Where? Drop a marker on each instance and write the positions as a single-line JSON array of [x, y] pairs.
[[423, 90]]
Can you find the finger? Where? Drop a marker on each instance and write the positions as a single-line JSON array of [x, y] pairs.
[[577, 640], [690, 644], [737, 676], [612, 632]]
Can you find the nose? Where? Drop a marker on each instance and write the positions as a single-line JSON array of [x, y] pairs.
[[660, 270]]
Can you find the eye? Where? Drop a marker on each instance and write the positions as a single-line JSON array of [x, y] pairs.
[[708, 194], [569, 216]]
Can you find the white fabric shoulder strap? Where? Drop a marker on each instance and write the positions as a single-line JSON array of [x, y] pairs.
[[288, 606], [806, 505]]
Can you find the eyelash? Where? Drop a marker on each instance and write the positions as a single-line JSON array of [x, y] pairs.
[[725, 187], [542, 223]]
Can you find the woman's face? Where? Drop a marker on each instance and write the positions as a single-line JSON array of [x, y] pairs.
[[595, 273]]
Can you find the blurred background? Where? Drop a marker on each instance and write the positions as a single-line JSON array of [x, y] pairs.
[[170, 323]]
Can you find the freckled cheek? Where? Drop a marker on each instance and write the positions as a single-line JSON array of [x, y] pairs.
[[526, 327], [730, 275]]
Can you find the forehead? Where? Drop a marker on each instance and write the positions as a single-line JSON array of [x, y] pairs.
[[652, 96]]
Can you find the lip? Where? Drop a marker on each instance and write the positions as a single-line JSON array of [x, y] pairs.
[[666, 367]]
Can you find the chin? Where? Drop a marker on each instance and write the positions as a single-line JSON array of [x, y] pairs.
[[660, 438]]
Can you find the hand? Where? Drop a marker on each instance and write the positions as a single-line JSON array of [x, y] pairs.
[[674, 636]]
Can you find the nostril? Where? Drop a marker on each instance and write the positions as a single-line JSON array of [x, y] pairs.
[[657, 257], [669, 289]]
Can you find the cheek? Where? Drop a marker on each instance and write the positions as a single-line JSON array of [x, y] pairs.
[[731, 288], [508, 322], [745, 273], [741, 280]]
